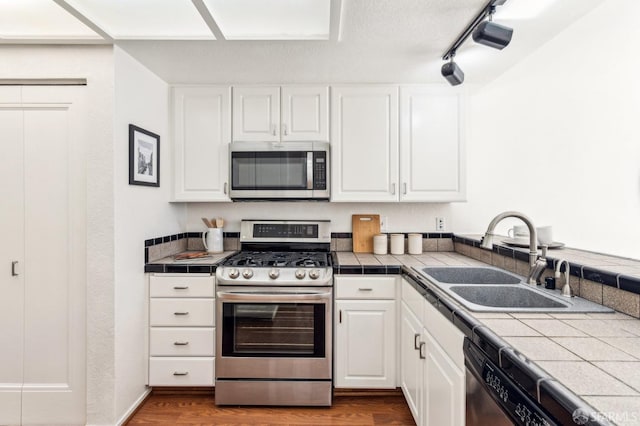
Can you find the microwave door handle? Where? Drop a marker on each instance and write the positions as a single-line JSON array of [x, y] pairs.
[[309, 170]]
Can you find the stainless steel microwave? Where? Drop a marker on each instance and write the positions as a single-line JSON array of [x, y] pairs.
[[280, 171]]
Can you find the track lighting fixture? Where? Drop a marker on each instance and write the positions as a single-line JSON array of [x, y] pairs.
[[484, 32], [452, 72], [491, 34]]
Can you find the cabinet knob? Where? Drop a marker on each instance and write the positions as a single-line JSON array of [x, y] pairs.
[[14, 268], [393, 189], [416, 343], [285, 131], [422, 345], [180, 343], [180, 373], [404, 188], [181, 313], [225, 188]]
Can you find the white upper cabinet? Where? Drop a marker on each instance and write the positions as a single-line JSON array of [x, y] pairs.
[[364, 143], [431, 144], [202, 132], [375, 161], [274, 113]]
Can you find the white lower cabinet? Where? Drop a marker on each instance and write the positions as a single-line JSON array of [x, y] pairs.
[[432, 363], [411, 366], [365, 332], [182, 330]]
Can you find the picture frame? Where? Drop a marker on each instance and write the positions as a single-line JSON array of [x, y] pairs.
[[144, 157]]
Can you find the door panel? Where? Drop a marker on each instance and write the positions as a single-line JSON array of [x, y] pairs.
[[11, 250], [55, 256], [305, 113], [256, 113]]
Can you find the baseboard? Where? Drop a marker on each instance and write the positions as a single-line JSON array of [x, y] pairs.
[[186, 390], [134, 408], [367, 392]]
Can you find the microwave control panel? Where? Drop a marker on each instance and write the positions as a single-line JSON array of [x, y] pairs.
[[320, 170]]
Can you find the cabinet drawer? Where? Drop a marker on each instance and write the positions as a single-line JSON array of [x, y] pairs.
[[367, 287], [177, 371], [173, 286], [182, 312], [182, 341]]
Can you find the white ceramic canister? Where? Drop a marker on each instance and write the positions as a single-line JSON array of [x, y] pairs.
[[397, 243], [380, 244], [212, 239], [415, 243]]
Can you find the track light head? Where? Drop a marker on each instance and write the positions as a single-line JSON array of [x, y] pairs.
[[452, 73], [493, 35]]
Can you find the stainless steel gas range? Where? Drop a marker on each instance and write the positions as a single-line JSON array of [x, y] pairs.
[[274, 316]]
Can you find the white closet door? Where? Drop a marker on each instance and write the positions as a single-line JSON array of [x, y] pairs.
[[55, 259], [11, 250]]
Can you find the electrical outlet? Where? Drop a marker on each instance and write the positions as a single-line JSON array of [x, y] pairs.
[[383, 224], [440, 224]]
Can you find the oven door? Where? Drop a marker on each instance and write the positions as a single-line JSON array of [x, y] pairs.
[[274, 333]]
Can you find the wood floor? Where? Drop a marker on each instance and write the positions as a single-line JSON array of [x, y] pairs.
[[199, 409]]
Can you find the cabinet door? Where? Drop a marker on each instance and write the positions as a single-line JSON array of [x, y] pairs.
[[365, 344], [364, 143], [305, 113], [256, 113], [411, 366], [445, 393], [432, 166], [12, 250], [202, 132]]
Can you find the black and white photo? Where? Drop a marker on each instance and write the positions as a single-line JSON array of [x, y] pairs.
[[144, 157]]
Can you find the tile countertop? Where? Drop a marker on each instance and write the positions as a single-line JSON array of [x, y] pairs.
[[597, 356]]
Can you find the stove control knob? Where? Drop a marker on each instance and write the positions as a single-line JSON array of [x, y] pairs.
[[314, 274], [274, 273], [300, 273], [247, 273], [234, 273]]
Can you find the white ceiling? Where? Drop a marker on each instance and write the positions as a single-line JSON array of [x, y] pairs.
[[354, 41]]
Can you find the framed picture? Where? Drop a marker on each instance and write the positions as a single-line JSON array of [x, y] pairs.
[[144, 157]]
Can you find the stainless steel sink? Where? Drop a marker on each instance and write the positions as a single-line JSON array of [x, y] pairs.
[[489, 289], [506, 297], [471, 275]]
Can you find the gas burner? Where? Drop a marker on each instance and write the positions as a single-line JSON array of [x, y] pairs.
[[279, 259]]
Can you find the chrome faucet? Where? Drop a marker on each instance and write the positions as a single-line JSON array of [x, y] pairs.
[[537, 263], [566, 289]]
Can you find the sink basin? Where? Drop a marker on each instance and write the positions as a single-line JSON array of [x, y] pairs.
[[471, 275], [506, 297], [489, 289]]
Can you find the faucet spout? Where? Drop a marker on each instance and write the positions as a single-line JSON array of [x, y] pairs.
[[537, 264], [566, 288]]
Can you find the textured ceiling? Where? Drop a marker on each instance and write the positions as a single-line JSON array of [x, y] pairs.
[[381, 41]]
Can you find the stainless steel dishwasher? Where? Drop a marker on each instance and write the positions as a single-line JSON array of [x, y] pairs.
[[495, 399]]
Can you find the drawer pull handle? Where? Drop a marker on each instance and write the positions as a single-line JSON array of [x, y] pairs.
[[181, 343], [416, 343], [422, 345], [181, 313], [180, 373], [183, 287], [365, 289]]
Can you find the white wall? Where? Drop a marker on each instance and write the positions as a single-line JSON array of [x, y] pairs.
[[401, 217], [141, 212], [95, 63], [557, 136]]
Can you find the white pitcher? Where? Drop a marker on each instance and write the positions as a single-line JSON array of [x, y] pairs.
[[212, 240]]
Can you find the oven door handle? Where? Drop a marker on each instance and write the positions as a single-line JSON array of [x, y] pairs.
[[271, 296]]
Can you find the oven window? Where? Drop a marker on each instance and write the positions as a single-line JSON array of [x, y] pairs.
[[273, 329], [269, 170]]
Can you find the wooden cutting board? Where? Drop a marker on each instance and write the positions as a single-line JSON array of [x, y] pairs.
[[363, 228]]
